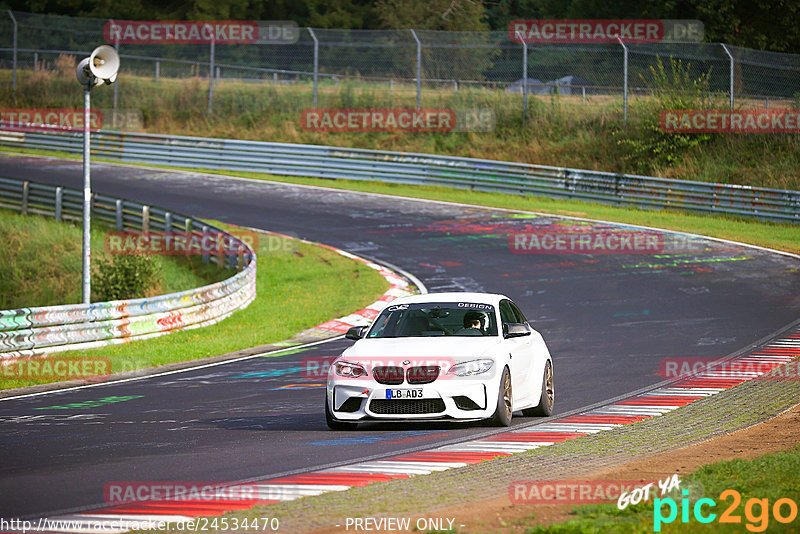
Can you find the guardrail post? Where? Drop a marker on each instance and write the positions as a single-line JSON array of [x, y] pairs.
[[14, 56], [730, 56], [25, 191], [419, 68], [59, 194], [118, 214], [316, 64], [167, 222], [145, 219], [204, 232]]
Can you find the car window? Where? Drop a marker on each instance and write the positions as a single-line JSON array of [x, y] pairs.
[[506, 312], [518, 313], [433, 319]]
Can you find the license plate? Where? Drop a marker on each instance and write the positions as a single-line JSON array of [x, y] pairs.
[[404, 393]]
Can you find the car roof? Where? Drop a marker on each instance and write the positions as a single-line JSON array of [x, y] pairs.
[[452, 296]]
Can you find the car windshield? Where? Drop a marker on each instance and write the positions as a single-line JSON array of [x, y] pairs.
[[435, 319]]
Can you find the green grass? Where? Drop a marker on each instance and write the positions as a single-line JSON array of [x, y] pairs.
[[42, 263], [772, 477], [298, 285], [560, 130]]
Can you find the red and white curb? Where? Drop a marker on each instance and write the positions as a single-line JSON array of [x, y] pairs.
[[622, 412], [398, 287]]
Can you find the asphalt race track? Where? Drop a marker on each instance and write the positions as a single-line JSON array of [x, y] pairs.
[[609, 320]]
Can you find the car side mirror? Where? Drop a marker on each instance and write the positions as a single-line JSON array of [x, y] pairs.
[[516, 330], [356, 332]]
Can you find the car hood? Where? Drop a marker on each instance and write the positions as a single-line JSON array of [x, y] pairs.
[[458, 348]]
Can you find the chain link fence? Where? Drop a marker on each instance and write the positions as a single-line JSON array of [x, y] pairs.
[[417, 67]]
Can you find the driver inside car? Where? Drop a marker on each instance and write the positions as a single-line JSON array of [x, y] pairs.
[[473, 324]]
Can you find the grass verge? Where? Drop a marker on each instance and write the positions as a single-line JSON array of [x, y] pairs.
[[759, 483], [560, 130], [41, 264], [298, 285]]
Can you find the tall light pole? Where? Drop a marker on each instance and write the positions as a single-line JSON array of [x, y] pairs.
[[100, 67]]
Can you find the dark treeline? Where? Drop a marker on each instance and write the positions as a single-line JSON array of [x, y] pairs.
[[761, 24]]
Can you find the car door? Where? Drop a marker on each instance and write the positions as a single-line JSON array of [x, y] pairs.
[[519, 353]]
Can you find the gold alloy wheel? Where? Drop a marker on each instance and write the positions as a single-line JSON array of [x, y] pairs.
[[507, 394]]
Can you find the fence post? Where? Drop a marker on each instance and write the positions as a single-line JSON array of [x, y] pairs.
[[116, 79], [211, 74], [14, 56], [730, 56], [316, 64], [167, 222], [204, 232], [524, 75], [59, 194], [419, 68], [118, 213], [625, 76], [35, 61], [158, 68]]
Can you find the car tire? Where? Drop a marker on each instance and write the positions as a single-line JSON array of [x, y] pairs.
[[335, 424], [502, 414], [547, 397]]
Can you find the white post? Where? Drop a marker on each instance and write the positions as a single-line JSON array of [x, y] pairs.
[[87, 200], [14, 57], [419, 68], [730, 56], [211, 74], [625, 75], [524, 75], [316, 64]]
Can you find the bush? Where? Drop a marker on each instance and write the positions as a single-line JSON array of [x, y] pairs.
[[645, 144], [124, 277]]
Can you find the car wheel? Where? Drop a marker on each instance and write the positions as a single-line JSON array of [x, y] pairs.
[[335, 424], [502, 415], [547, 398]]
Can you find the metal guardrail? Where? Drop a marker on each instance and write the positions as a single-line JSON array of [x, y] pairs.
[[34, 331], [423, 169]]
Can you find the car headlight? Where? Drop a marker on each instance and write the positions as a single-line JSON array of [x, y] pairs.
[[349, 369], [472, 367]]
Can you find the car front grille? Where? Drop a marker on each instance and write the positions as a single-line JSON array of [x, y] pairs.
[[390, 375], [406, 406], [423, 374]]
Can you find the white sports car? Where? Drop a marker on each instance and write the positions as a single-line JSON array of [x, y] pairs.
[[422, 359]]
